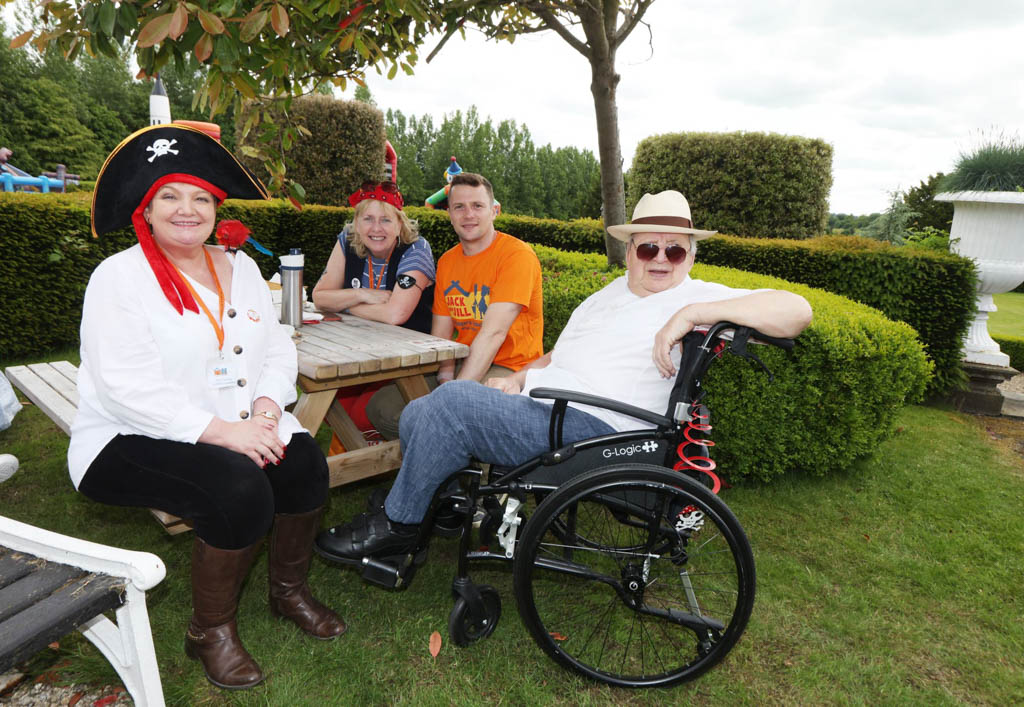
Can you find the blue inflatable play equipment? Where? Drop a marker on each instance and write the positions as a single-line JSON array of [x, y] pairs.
[[13, 178]]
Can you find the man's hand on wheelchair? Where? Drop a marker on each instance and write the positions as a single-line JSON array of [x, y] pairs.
[[507, 384], [666, 339]]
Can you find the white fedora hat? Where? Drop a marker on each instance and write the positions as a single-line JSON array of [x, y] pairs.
[[664, 212]]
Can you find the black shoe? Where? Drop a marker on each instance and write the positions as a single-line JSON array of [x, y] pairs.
[[369, 534]]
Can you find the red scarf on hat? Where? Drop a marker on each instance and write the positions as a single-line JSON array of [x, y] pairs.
[[171, 282]]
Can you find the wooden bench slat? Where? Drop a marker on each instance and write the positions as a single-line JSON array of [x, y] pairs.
[[43, 579], [56, 407], [60, 613], [69, 370], [12, 568], [66, 387]]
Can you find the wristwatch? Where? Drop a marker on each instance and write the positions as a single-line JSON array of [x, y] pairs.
[[267, 414]]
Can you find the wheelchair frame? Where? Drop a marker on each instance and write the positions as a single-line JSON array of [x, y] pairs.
[[638, 528]]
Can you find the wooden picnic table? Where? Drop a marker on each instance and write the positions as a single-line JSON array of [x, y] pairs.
[[352, 351]]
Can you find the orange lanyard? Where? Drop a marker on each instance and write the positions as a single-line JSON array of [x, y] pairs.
[[380, 279], [215, 323]]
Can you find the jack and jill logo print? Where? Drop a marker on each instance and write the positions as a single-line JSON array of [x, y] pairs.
[[465, 303]]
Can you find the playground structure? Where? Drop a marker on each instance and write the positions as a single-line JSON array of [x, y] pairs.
[[439, 199], [13, 178]]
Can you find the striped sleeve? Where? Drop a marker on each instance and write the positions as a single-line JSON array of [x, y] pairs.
[[418, 257]]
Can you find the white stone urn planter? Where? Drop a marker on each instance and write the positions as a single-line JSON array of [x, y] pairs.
[[988, 227]]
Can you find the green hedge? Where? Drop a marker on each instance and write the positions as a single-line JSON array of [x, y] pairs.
[[582, 235], [46, 256], [1012, 346], [931, 290], [833, 400], [752, 184]]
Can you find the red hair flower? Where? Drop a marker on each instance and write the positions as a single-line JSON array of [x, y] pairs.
[[232, 234]]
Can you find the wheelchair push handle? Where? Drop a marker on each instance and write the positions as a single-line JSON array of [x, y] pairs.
[[742, 334]]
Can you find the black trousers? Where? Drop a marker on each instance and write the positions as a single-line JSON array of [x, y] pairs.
[[229, 499]]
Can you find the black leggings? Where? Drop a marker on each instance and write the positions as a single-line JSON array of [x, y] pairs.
[[229, 499]]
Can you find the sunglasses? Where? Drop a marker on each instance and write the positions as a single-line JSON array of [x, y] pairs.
[[387, 187], [649, 251]]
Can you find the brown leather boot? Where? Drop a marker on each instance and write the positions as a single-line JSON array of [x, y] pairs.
[[291, 547], [212, 636]]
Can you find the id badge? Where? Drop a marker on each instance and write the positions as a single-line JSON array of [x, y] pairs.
[[219, 373]]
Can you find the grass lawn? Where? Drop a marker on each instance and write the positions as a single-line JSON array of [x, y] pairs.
[[1008, 320], [897, 581]]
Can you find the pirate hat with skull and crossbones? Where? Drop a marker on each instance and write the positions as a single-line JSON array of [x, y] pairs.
[[148, 159]]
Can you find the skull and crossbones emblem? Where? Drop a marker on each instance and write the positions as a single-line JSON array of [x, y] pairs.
[[161, 147]]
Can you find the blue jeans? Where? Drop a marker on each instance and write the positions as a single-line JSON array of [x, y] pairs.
[[462, 419]]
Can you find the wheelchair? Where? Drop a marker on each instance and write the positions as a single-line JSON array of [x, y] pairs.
[[627, 567]]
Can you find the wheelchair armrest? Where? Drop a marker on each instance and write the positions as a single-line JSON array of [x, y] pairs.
[[604, 403]]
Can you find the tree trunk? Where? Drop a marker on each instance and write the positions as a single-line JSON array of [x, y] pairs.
[[604, 82], [613, 198]]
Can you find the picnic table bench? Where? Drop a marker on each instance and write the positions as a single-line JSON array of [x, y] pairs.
[[52, 584]]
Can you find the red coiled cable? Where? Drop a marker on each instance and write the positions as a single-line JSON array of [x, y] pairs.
[[697, 462]]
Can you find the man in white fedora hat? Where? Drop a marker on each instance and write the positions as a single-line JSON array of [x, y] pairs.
[[620, 343]]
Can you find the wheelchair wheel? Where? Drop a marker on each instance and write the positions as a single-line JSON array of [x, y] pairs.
[[635, 576], [464, 628]]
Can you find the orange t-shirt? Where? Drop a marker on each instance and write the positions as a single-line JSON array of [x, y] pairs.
[[508, 271]]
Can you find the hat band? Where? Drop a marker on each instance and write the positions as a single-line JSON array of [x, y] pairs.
[[677, 221]]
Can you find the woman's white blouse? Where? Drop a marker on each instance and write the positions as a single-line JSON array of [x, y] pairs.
[[144, 366]]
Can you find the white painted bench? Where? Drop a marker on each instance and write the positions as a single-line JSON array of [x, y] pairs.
[[53, 387], [51, 584]]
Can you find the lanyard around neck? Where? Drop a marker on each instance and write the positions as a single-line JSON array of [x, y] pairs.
[[218, 328], [376, 283]]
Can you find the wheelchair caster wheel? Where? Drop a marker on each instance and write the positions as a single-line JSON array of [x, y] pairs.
[[465, 628]]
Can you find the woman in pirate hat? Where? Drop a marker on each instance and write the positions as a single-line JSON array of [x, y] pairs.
[[184, 378]]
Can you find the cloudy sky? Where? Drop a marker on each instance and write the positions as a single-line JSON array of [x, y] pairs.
[[898, 87]]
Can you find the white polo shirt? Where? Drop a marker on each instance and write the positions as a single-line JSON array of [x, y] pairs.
[[605, 348]]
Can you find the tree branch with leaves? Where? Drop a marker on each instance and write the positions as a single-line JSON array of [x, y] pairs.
[[262, 51]]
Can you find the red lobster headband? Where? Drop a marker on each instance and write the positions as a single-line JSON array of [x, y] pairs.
[[145, 161]]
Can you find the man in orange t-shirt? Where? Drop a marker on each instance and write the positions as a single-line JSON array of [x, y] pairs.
[[488, 290], [488, 294]]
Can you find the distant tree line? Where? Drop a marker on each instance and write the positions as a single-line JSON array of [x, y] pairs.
[[849, 224], [548, 182]]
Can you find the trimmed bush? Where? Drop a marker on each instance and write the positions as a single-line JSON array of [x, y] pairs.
[[345, 147], [931, 290], [751, 184], [1012, 346], [833, 399]]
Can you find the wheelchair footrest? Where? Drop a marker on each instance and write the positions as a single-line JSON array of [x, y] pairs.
[[392, 572]]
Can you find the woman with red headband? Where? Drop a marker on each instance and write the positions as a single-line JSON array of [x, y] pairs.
[[380, 269], [184, 378]]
